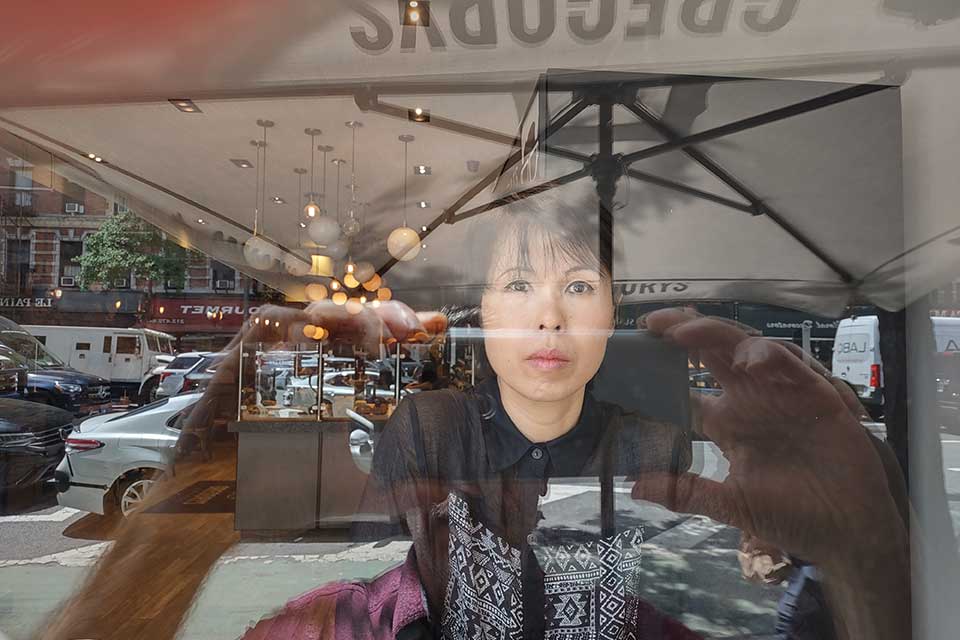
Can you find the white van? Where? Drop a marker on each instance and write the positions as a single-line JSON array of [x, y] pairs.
[[125, 357], [856, 355]]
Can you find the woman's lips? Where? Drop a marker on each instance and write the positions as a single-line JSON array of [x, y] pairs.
[[548, 359]]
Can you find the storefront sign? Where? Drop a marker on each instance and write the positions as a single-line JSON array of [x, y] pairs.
[[22, 302], [198, 315], [484, 23]]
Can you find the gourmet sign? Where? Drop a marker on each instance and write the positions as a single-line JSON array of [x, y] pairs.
[[485, 23]]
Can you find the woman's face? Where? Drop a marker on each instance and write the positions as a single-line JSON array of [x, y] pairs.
[[546, 322]]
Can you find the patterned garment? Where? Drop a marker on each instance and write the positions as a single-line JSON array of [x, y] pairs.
[[590, 589]]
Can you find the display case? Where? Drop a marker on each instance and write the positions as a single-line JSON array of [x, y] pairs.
[[300, 382]]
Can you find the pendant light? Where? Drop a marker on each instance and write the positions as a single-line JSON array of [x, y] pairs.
[[312, 209], [403, 243], [295, 264], [256, 251], [324, 230], [338, 248]]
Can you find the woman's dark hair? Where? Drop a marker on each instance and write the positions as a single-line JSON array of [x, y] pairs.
[[566, 228]]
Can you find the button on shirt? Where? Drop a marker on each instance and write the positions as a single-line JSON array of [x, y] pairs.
[[507, 447]]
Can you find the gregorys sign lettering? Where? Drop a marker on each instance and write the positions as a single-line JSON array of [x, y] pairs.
[[484, 23], [658, 288]]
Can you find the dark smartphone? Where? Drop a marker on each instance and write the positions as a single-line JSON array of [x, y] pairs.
[[646, 375]]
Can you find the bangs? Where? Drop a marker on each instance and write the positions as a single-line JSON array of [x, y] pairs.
[[524, 236]]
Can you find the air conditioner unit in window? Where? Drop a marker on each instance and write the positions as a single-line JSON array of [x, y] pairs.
[[123, 283], [223, 284], [68, 281], [73, 207]]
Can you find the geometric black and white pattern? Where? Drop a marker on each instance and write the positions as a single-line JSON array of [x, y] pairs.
[[590, 588]]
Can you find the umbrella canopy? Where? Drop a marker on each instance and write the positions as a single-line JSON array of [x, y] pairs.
[[800, 201]]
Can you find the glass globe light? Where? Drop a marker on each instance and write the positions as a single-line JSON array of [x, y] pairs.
[[384, 294], [309, 330], [337, 250], [256, 253], [373, 283], [324, 230], [335, 285], [403, 243], [363, 271], [350, 281], [316, 291], [351, 227], [312, 210], [339, 298]]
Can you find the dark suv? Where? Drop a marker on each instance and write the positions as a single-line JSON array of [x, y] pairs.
[[49, 380], [31, 442]]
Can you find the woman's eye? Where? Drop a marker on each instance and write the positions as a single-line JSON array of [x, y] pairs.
[[519, 286], [580, 287]]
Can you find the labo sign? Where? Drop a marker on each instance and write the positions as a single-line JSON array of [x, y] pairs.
[[480, 23]]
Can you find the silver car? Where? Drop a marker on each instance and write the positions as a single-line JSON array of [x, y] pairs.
[[114, 459]]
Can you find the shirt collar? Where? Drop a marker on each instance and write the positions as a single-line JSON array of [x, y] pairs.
[[506, 445]]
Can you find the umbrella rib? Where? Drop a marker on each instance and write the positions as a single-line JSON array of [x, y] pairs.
[[641, 111], [523, 194], [449, 214], [753, 122], [661, 182]]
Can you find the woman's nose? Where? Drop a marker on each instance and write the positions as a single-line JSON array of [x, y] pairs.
[[550, 314]]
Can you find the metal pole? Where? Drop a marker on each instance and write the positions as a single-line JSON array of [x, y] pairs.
[[319, 381], [396, 375], [246, 298]]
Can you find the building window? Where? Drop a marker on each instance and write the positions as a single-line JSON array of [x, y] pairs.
[[22, 184], [70, 250], [222, 277], [17, 265]]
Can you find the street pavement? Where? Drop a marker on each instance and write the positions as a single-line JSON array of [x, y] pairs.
[[690, 567]]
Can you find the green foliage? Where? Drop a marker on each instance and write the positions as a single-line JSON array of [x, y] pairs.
[[123, 244]]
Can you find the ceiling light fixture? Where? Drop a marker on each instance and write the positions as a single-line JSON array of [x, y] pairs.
[[91, 155], [258, 252], [185, 105], [278, 200], [98, 159], [423, 204], [423, 228], [421, 170], [351, 226], [418, 115], [403, 243], [201, 221], [243, 164], [312, 210], [416, 13]]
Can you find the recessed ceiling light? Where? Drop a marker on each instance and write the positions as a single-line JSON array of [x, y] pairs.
[[423, 204], [416, 13], [423, 246], [185, 104], [242, 163], [421, 170], [278, 200], [418, 115], [97, 159], [201, 221], [423, 228], [91, 155], [303, 225]]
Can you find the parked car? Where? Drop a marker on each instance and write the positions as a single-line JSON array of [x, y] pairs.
[[49, 380], [13, 374], [199, 376], [948, 390], [172, 377], [113, 460], [125, 357], [31, 441]]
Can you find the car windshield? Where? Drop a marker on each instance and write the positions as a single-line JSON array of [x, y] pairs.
[[29, 348]]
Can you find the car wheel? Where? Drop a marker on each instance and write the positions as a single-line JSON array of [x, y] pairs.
[[132, 493], [149, 392]]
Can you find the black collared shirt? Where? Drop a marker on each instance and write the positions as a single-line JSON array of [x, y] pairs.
[[507, 447]]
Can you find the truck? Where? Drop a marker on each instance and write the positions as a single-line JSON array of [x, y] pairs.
[[856, 355], [128, 358]]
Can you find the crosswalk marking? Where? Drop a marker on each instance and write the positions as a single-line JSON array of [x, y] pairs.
[[59, 515]]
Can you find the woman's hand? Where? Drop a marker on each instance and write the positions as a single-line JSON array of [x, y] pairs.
[[803, 473]]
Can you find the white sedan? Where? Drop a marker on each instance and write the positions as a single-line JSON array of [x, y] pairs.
[[114, 459]]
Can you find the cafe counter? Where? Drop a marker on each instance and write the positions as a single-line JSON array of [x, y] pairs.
[[297, 475]]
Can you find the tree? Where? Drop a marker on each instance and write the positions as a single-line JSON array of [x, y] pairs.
[[126, 246]]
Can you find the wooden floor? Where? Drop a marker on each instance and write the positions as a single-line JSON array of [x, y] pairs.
[[144, 586]]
